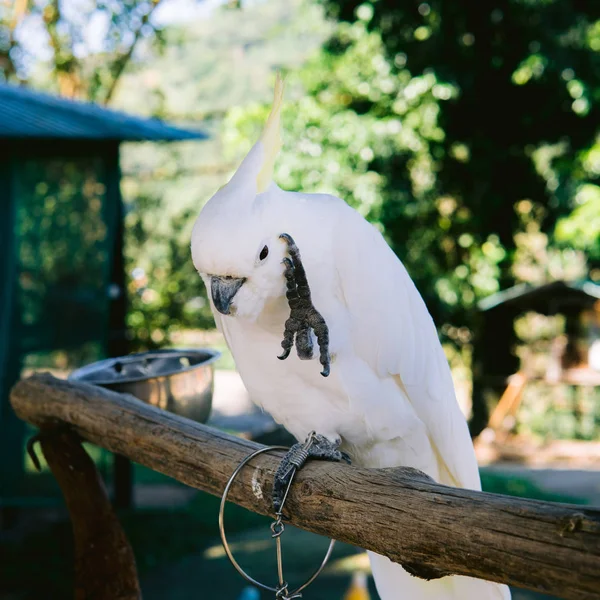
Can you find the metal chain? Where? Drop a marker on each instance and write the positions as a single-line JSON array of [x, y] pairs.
[[297, 458]]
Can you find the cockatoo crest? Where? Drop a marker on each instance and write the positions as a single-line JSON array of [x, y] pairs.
[[255, 173], [271, 138]]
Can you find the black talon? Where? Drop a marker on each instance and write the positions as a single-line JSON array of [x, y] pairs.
[[304, 317], [285, 354], [316, 446]]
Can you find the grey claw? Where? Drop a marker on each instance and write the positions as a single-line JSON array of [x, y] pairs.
[[304, 344], [295, 458], [304, 317]]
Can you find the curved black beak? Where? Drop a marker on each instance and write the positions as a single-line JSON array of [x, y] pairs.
[[223, 289]]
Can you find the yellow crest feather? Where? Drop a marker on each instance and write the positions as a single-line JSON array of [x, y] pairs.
[[271, 138]]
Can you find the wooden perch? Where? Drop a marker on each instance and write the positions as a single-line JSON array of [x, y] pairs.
[[104, 562], [400, 513]]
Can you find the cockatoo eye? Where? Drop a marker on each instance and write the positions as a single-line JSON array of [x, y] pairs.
[[264, 253]]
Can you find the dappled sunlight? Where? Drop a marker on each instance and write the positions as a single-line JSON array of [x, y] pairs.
[[248, 547], [350, 564]]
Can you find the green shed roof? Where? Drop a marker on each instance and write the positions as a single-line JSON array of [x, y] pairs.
[[27, 114], [544, 299]]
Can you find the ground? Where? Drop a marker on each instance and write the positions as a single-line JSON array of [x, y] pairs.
[[211, 569]]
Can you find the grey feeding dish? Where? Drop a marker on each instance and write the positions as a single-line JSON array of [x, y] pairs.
[[179, 381]]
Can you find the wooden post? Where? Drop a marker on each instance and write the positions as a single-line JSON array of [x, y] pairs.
[[12, 431], [104, 562], [430, 528], [117, 343]]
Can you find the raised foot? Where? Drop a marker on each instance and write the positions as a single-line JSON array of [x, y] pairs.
[[304, 317], [316, 446]]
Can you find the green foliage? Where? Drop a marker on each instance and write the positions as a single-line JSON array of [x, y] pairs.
[[64, 254], [437, 121], [560, 412], [365, 134], [166, 294], [73, 60], [581, 228]]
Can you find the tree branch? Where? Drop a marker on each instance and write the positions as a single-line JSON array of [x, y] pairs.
[[65, 63], [121, 61], [400, 513], [19, 11]]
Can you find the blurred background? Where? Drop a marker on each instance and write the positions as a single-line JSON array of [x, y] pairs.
[[467, 132]]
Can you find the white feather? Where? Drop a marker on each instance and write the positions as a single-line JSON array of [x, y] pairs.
[[394, 333]]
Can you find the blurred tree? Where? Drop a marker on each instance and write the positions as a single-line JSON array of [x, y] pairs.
[[463, 130], [89, 44], [521, 118], [520, 127], [581, 229], [10, 18], [165, 292], [363, 132]]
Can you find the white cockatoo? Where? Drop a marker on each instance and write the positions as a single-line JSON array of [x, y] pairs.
[[388, 399]]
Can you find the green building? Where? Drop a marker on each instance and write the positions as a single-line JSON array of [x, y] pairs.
[[62, 290]]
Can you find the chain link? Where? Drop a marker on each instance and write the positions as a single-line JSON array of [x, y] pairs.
[[297, 458]]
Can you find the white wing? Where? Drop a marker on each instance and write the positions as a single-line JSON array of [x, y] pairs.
[[393, 332]]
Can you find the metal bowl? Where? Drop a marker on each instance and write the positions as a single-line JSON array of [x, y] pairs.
[[180, 381]]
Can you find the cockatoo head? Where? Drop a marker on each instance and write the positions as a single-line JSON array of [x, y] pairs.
[[235, 240]]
